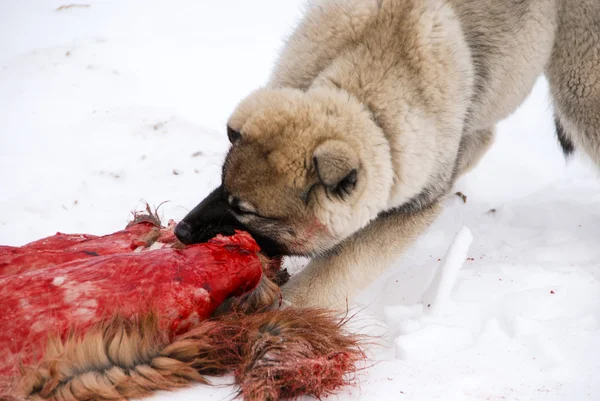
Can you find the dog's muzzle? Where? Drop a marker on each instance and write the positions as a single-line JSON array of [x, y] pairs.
[[213, 217]]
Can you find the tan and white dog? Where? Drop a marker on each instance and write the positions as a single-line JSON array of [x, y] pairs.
[[373, 110]]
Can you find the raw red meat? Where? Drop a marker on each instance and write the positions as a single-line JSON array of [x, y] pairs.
[[86, 318], [182, 286], [63, 248]]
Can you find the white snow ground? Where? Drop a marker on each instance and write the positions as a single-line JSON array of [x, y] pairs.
[[105, 106]]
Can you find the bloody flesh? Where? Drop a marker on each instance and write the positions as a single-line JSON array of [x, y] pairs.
[[103, 276], [89, 318], [62, 248]]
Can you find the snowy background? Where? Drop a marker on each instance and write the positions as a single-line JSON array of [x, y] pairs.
[[105, 106]]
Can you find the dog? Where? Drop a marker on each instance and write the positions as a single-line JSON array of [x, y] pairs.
[[373, 110]]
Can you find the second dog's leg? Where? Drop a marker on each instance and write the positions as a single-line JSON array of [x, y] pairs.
[[329, 281]]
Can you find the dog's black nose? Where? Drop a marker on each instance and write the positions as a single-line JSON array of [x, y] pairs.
[[183, 232]]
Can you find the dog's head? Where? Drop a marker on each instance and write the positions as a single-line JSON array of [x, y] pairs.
[[305, 170]]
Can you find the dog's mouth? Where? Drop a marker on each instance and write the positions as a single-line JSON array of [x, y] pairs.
[[213, 217], [268, 246]]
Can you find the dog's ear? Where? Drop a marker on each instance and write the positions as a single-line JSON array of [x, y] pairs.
[[337, 166]]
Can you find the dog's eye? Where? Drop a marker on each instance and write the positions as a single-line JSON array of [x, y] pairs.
[[244, 209], [241, 207], [233, 135]]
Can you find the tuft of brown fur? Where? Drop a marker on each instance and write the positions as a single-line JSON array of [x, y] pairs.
[[264, 295], [274, 354], [149, 216], [259, 299], [120, 358], [295, 352]]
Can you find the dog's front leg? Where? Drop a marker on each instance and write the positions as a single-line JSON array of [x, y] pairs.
[[330, 280]]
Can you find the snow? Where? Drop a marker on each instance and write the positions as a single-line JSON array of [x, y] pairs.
[[104, 107], [437, 294]]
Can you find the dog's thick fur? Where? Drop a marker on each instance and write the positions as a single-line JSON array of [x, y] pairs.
[[373, 110]]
